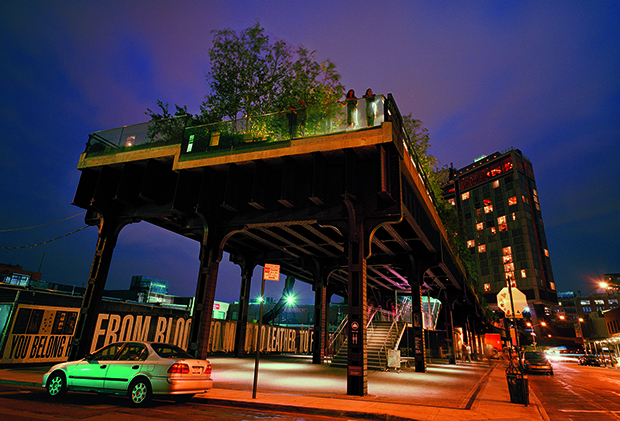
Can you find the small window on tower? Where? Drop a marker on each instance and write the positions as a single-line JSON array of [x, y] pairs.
[[507, 258], [523, 274], [512, 200], [501, 220], [546, 252], [488, 209], [465, 196], [471, 243], [452, 202], [480, 226], [487, 287], [482, 248], [507, 250], [496, 184]]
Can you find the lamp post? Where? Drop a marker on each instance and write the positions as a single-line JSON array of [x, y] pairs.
[[532, 326]]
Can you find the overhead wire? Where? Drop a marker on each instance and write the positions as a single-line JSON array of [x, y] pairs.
[[42, 225]]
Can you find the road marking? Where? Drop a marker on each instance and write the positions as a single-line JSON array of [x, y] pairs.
[[589, 411]]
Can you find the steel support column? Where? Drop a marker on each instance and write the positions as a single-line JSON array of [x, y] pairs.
[[205, 296], [321, 306], [357, 366], [109, 229], [247, 270], [416, 272]]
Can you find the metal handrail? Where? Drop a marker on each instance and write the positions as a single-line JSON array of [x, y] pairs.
[[389, 334], [337, 334]]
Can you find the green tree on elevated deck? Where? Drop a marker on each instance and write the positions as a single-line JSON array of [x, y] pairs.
[[252, 76]]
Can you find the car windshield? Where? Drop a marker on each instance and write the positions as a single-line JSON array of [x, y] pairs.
[[534, 356], [170, 351]]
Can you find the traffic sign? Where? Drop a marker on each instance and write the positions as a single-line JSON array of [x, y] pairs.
[[519, 302], [271, 272]]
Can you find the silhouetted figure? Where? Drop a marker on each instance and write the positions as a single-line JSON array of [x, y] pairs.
[[351, 103], [371, 107]]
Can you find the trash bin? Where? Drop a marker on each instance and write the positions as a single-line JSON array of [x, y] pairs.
[[519, 388]]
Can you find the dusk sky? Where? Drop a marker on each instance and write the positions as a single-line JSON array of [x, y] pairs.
[[482, 76]]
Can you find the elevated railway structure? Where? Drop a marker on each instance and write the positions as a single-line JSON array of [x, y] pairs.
[[343, 207]]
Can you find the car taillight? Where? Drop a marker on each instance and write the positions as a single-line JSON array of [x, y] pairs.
[[208, 369], [179, 368]]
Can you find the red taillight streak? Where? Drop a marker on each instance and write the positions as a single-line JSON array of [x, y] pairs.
[[208, 369], [179, 368]]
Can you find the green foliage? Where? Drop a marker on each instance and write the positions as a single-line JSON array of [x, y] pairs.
[[165, 126], [420, 141], [251, 76]]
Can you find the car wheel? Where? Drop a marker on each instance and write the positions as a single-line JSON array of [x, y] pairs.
[[183, 398], [56, 385], [140, 392]]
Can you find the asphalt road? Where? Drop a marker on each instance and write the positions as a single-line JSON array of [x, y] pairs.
[[20, 403], [579, 393]]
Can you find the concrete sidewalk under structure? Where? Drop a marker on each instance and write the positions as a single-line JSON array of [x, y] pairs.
[[465, 391]]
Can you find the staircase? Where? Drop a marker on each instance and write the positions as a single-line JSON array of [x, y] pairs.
[[379, 339]]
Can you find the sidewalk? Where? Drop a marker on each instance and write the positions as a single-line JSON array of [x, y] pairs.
[[488, 400]]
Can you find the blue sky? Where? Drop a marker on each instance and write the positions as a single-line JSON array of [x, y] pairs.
[[483, 76]]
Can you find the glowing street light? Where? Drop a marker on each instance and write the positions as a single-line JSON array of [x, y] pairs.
[[290, 300]]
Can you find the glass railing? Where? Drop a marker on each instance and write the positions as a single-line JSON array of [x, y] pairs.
[[225, 137], [272, 130], [155, 133]]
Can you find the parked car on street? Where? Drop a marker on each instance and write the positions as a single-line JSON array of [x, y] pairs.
[[536, 362], [592, 360], [139, 370]]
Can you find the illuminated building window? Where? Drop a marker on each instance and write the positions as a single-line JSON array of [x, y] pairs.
[[452, 202], [599, 302], [523, 275], [480, 226], [514, 216], [503, 227], [507, 250], [507, 258], [501, 220], [510, 276], [487, 202], [524, 199], [587, 309], [465, 196], [537, 206], [546, 252], [487, 287], [493, 231], [488, 209], [585, 302], [482, 248], [509, 267], [496, 184], [512, 200], [471, 243], [552, 285]]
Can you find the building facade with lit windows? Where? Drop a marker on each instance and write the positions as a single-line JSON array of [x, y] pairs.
[[497, 200]]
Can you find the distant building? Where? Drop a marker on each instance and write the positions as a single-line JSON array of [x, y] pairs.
[[15, 275], [497, 200]]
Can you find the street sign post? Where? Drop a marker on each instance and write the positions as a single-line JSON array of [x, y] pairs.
[[271, 272]]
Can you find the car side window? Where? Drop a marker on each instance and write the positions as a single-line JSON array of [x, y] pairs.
[[107, 353], [133, 352]]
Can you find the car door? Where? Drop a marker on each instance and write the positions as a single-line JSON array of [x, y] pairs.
[[127, 363], [90, 373]]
